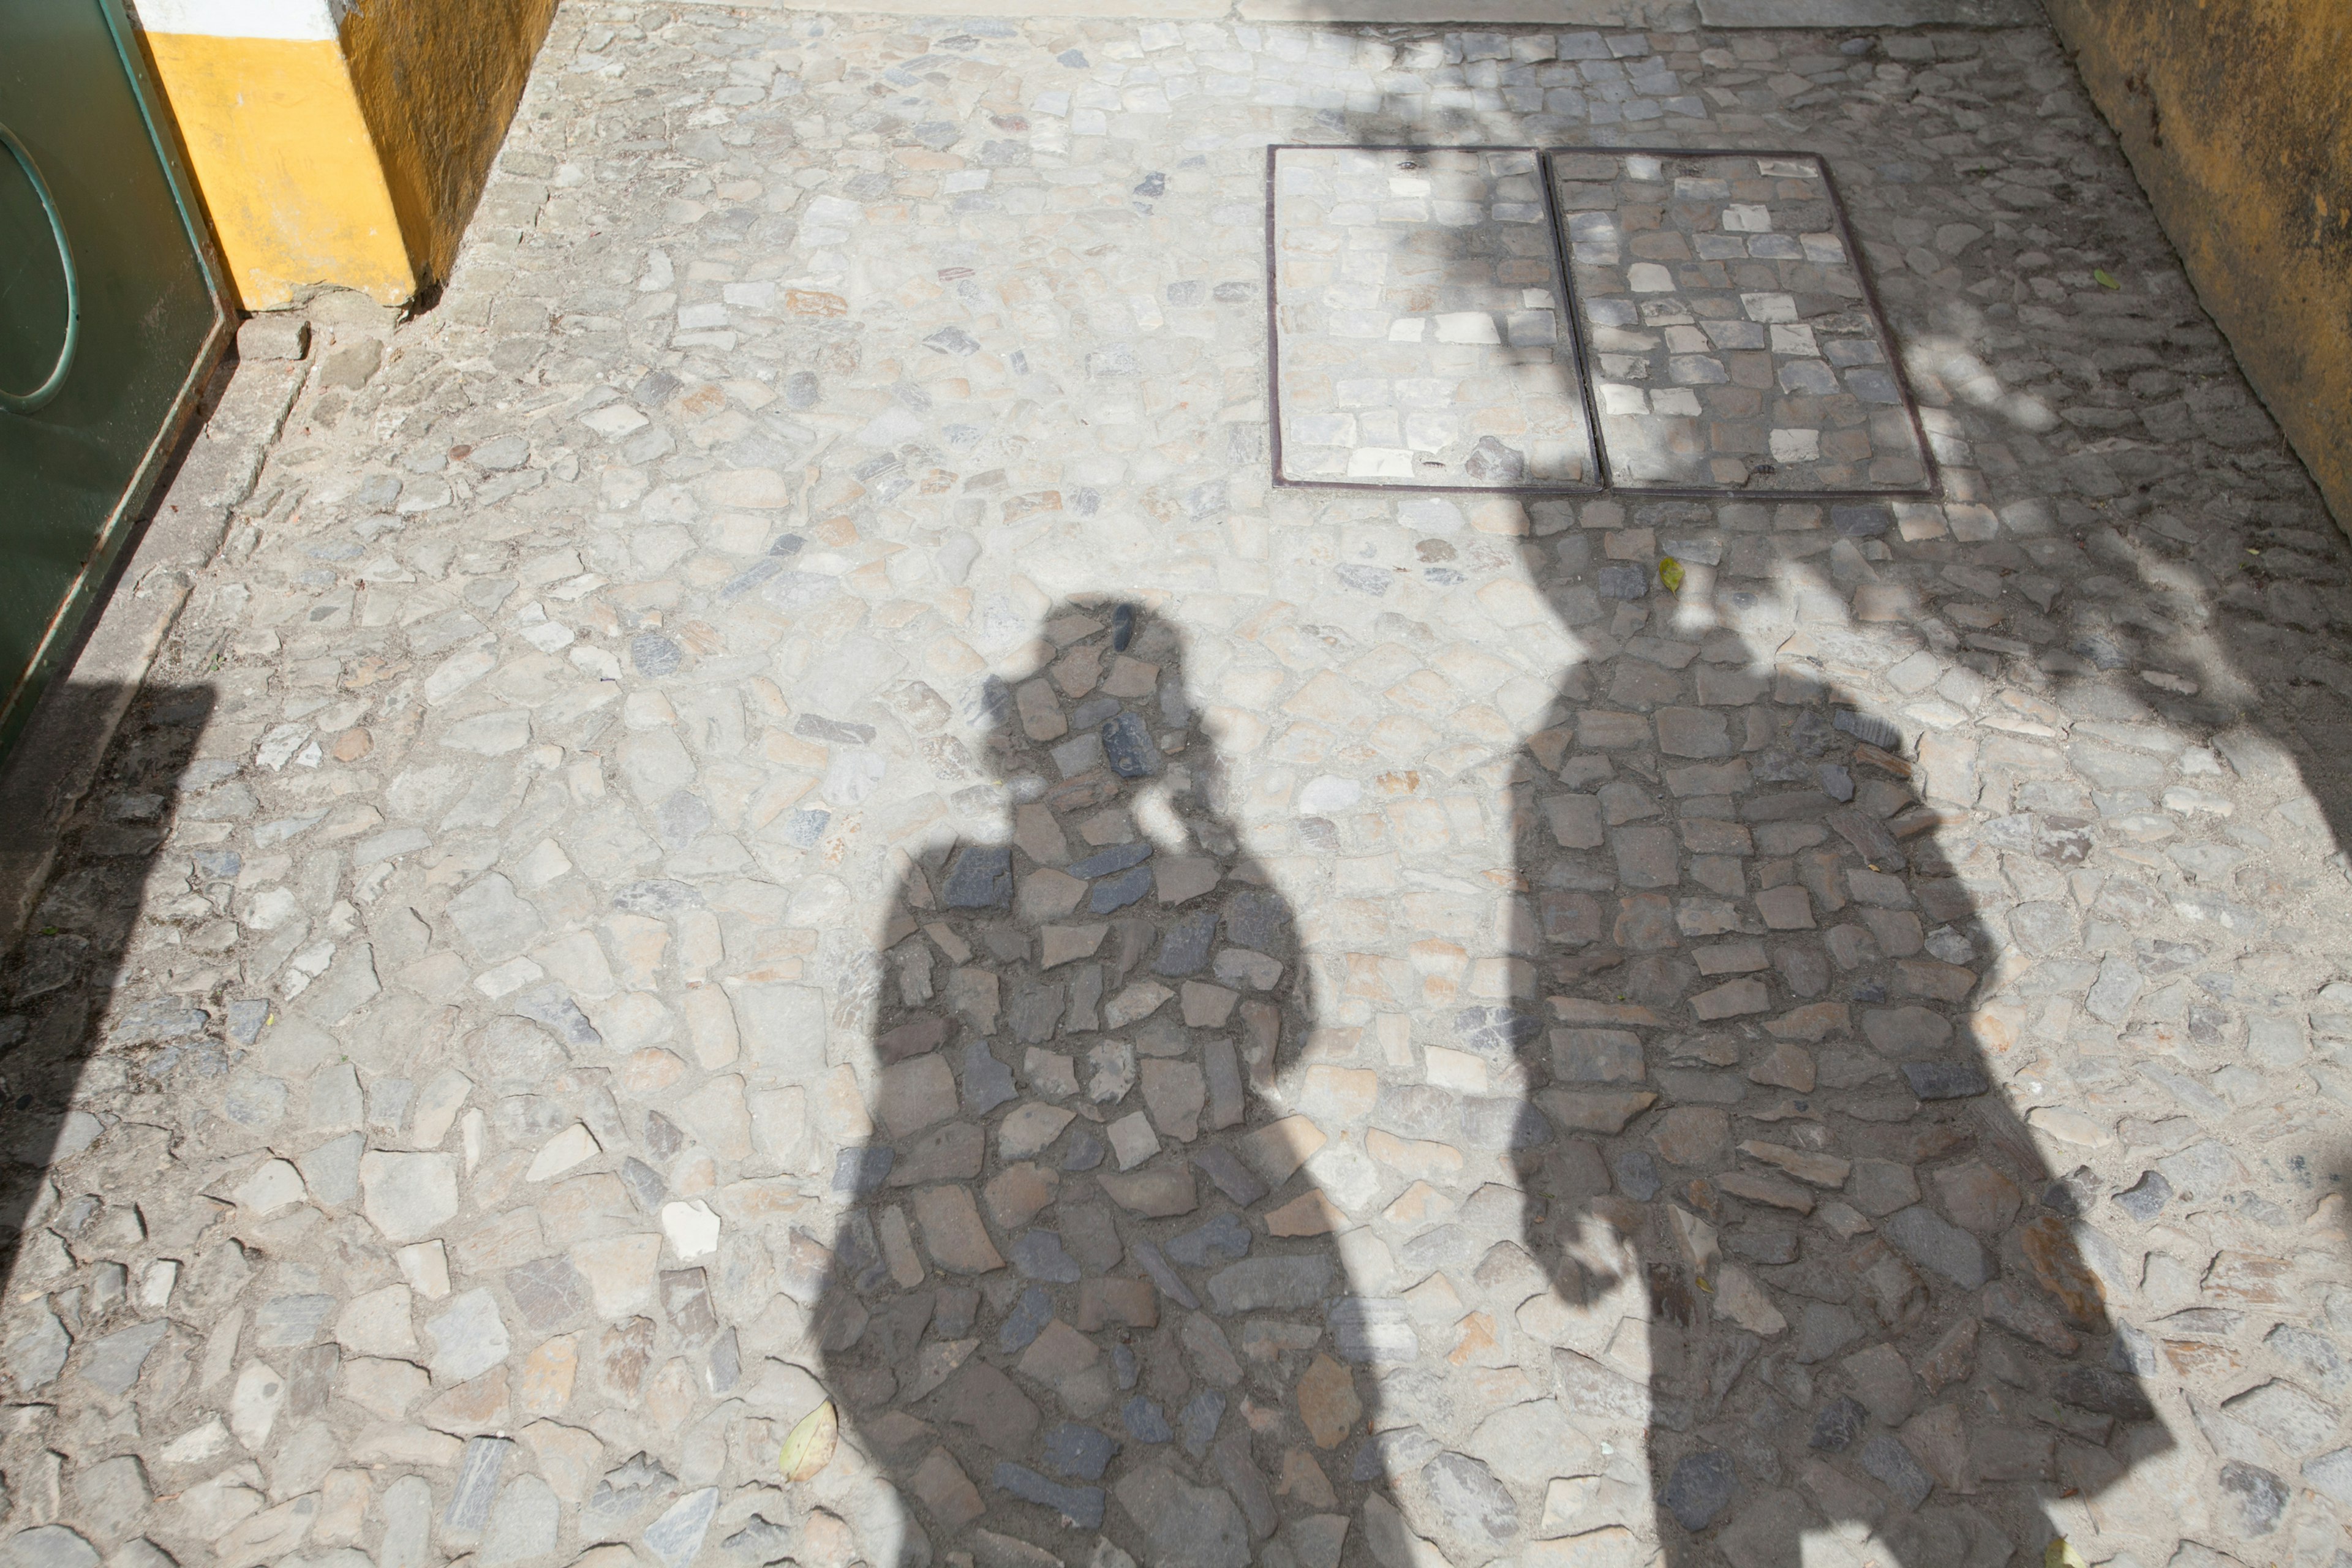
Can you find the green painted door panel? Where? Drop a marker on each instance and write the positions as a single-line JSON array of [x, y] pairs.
[[112, 312]]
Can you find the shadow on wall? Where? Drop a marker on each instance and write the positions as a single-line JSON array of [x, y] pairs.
[[56, 991]]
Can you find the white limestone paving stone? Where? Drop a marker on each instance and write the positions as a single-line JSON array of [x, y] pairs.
[[1420, 334]]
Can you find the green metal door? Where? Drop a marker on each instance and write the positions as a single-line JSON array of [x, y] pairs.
[[112, 314]]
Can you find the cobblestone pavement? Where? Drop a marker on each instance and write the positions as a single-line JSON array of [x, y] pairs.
[[1769, 300], [1416, 331], [768, 826]]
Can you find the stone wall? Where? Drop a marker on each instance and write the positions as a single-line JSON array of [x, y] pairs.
[[2237, 117]]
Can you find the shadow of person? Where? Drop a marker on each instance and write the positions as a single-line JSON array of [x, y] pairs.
[[1086, 1281], [1816, 1295]]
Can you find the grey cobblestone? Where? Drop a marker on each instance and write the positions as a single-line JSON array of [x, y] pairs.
[[1418, 324], [769, 806], [1732, 345]]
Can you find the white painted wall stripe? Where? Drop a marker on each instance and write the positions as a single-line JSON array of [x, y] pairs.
[[301, 19]]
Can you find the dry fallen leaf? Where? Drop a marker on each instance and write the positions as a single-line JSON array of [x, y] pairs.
[[1670, 573], [2060, 1554], [809, 1447]]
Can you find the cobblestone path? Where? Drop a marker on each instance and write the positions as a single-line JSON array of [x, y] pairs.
[[771, 835]]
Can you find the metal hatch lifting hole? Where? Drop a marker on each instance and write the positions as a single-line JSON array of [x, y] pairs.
[[114, 311]]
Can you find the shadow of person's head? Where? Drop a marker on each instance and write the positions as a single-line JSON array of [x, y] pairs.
[[1095, 686], [1093, 720]]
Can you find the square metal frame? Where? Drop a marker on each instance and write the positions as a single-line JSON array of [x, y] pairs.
[[1931, 490], [1609, 484]]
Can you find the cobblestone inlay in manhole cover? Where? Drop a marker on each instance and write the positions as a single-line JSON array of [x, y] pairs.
[[1734, 344], [1420, 334]]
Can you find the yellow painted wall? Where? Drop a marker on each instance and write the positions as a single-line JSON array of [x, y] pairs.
[[438, 81], [288, 171], [2237, 117], [353, 159]]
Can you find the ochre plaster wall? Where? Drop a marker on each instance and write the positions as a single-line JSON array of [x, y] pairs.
[[289, 172], [2237, 117], [438, 81], [344, 149]]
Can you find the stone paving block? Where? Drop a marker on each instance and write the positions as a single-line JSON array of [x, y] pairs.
[[1420, 333], [1734, 344], [795, 688]]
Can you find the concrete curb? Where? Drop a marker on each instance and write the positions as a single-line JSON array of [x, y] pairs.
[[59, 756]]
